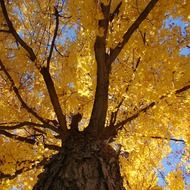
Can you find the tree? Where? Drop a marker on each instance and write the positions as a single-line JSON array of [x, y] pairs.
[[94, 91]]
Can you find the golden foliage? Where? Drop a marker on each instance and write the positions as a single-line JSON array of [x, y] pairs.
[[149, 69]]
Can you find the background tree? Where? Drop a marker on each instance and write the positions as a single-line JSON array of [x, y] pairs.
[[95, 83]]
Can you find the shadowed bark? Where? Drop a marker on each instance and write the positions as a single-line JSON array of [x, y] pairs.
[[83, 164]]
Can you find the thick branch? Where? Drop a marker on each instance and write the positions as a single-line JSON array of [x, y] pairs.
[[115, 52], [99, 111], [15, 34], [54, 99], [54, 37], [50, 84], [27, 140]]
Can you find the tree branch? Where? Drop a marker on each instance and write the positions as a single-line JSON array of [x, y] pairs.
[[100, 106], [19, 125], [110, 132], [115, 52], [115, 12], [165, 138], [54, 37], [44, 71], [183, 89], [15, 34], [54, 100], [146, 108], [24, 169], [27, 140], [16, 91], [5, 31]]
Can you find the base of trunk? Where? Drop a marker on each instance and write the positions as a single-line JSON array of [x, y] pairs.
[[83, 164]]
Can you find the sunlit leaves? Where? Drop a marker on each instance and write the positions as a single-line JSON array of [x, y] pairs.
[[175, 178], [150, 68]]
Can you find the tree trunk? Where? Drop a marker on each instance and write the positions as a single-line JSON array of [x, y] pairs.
[[83, 164]]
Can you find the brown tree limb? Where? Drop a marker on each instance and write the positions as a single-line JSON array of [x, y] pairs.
[[100, 106], [19, 125], [54, 37], [27, 140], [178, 91], [115, 12], [24, 169], [29, 50], [183, 89], [50, 84], [115, 52], [110, 132], [54, 100], [45, 73], [5, 31]]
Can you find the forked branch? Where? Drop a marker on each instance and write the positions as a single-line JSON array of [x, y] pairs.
[[100, 106], [44, 71]]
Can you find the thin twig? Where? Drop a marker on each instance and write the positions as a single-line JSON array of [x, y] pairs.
[[54, 37]]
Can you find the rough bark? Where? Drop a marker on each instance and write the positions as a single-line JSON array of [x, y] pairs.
[[83, 164]]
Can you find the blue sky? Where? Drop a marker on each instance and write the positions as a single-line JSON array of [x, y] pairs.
[[171, 162], [171, 22]]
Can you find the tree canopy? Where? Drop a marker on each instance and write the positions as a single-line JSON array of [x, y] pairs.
[[124, 65]]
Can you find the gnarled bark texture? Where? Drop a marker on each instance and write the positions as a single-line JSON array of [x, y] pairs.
[[83, 164]]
